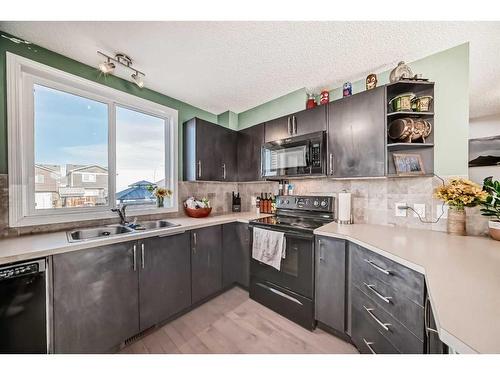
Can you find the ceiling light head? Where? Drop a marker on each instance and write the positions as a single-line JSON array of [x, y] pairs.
[[107, 67], [138, 79]]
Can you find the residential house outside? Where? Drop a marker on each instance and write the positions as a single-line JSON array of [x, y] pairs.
[[47, 180], [85, 185]]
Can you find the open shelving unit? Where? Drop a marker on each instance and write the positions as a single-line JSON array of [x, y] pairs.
[[424, 149]]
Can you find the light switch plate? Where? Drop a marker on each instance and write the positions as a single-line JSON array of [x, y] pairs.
[[400, 212], [420, 210]]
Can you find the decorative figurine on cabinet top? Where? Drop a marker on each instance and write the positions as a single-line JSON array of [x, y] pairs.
[[347, 89], [371, 81], [402, 71], [324, 97], [311, 101]]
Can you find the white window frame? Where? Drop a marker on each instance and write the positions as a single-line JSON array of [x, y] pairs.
[[86, 177], [22, 73]]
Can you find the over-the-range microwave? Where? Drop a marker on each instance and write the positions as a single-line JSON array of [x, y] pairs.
[[296, 156]]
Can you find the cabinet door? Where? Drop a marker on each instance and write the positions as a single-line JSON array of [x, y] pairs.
[[356, 135], [330, 282], [309, 121], [206, 262], [209, 148], [235, 254], [279, 128], [95, 299], [250, 141], [164, 278], [228, 150]]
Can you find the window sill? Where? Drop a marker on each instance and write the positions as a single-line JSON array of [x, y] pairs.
[[74, 217]]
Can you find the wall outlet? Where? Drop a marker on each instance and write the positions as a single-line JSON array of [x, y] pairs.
[[440, 208], [419, 210], [400, 209]]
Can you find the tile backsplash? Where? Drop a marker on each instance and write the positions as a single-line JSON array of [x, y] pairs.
[[374, 201]]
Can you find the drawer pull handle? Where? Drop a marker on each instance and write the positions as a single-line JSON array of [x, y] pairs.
[[372, 315], [369, 346], [371, 287], [378, 268], [427, 312]]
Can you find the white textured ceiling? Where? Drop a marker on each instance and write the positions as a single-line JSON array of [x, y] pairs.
[[237, 65]]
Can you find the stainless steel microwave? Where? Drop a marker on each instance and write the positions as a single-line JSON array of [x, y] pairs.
[[297, 156]]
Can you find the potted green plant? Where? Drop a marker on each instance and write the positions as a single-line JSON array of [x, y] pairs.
[[459, 193], [491, 206]]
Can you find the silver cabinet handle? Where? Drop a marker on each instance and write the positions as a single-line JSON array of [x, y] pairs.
[[279, 293], [294, 125], [372, 315], [378, 268], [194, 242], [371, 287], [331, 163], [199, 168], [223, 171], [289, 127], [427, 313], [321, 255], [142, 255], [369, 346], [135, 257]]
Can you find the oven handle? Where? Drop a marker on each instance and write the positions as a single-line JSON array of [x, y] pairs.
[[287, 234], [275, 291]]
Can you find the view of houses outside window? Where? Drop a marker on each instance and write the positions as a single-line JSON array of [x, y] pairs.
[[140, 155], [71, 150]]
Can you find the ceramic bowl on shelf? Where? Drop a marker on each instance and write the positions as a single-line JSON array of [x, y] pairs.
[[422, 103], [402, 102], [197, 212]]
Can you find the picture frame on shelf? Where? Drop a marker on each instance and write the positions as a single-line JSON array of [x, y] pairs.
[[408, 164]]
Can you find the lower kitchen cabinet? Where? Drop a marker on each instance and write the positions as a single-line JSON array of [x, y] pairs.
[[331, 282], [235, 254], [164, 278], [96, 298], [206, 262]]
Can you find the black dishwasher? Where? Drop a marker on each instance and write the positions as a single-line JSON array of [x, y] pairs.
[[23, 312]]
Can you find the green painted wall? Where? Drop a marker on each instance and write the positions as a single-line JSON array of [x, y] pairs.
[[284, 105], [449, 69], [228, 119], [44, 56]]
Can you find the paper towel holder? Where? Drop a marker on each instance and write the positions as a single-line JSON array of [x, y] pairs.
[[344, 221]]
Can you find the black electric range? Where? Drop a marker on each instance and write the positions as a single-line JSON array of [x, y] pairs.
[[290, 290]]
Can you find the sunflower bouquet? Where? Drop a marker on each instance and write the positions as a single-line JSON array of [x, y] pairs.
[[160, 193]]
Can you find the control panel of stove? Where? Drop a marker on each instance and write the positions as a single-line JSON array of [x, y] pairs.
[[310, 203]]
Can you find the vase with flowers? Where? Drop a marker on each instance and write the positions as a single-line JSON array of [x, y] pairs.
[[491, 206], [459, 193], [160, 193]]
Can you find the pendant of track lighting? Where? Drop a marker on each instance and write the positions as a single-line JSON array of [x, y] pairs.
[[121, 59]]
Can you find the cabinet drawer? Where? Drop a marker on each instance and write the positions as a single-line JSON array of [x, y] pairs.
[[405, 311], [368, 339], [409, 283], [400, 337]]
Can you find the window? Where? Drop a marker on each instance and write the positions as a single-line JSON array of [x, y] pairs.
[[78, 149]]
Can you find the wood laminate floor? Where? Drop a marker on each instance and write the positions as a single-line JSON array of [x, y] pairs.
[[233, 323]]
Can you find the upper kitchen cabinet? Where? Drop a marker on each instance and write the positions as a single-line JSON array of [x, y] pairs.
[[356, 135], [250, 141], [300, 123], [209, 152]]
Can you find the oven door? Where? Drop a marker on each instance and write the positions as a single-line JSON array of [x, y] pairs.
[[297, 156], [297, 267]]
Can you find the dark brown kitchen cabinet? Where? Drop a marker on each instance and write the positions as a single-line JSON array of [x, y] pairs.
[[235, 254], [250, 141], [96, 298], [331, 282], [299, 123], [164, 278], [209, 152], [206, 262], [356, 135]]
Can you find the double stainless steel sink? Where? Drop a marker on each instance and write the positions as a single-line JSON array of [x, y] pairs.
[[116, 230]]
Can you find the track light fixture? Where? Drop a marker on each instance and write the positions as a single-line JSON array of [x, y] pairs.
[[108, 67]]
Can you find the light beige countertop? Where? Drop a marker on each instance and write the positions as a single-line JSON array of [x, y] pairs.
[[41, 245], [462, 275]]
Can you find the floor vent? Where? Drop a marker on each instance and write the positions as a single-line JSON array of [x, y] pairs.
[[139, 336]]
